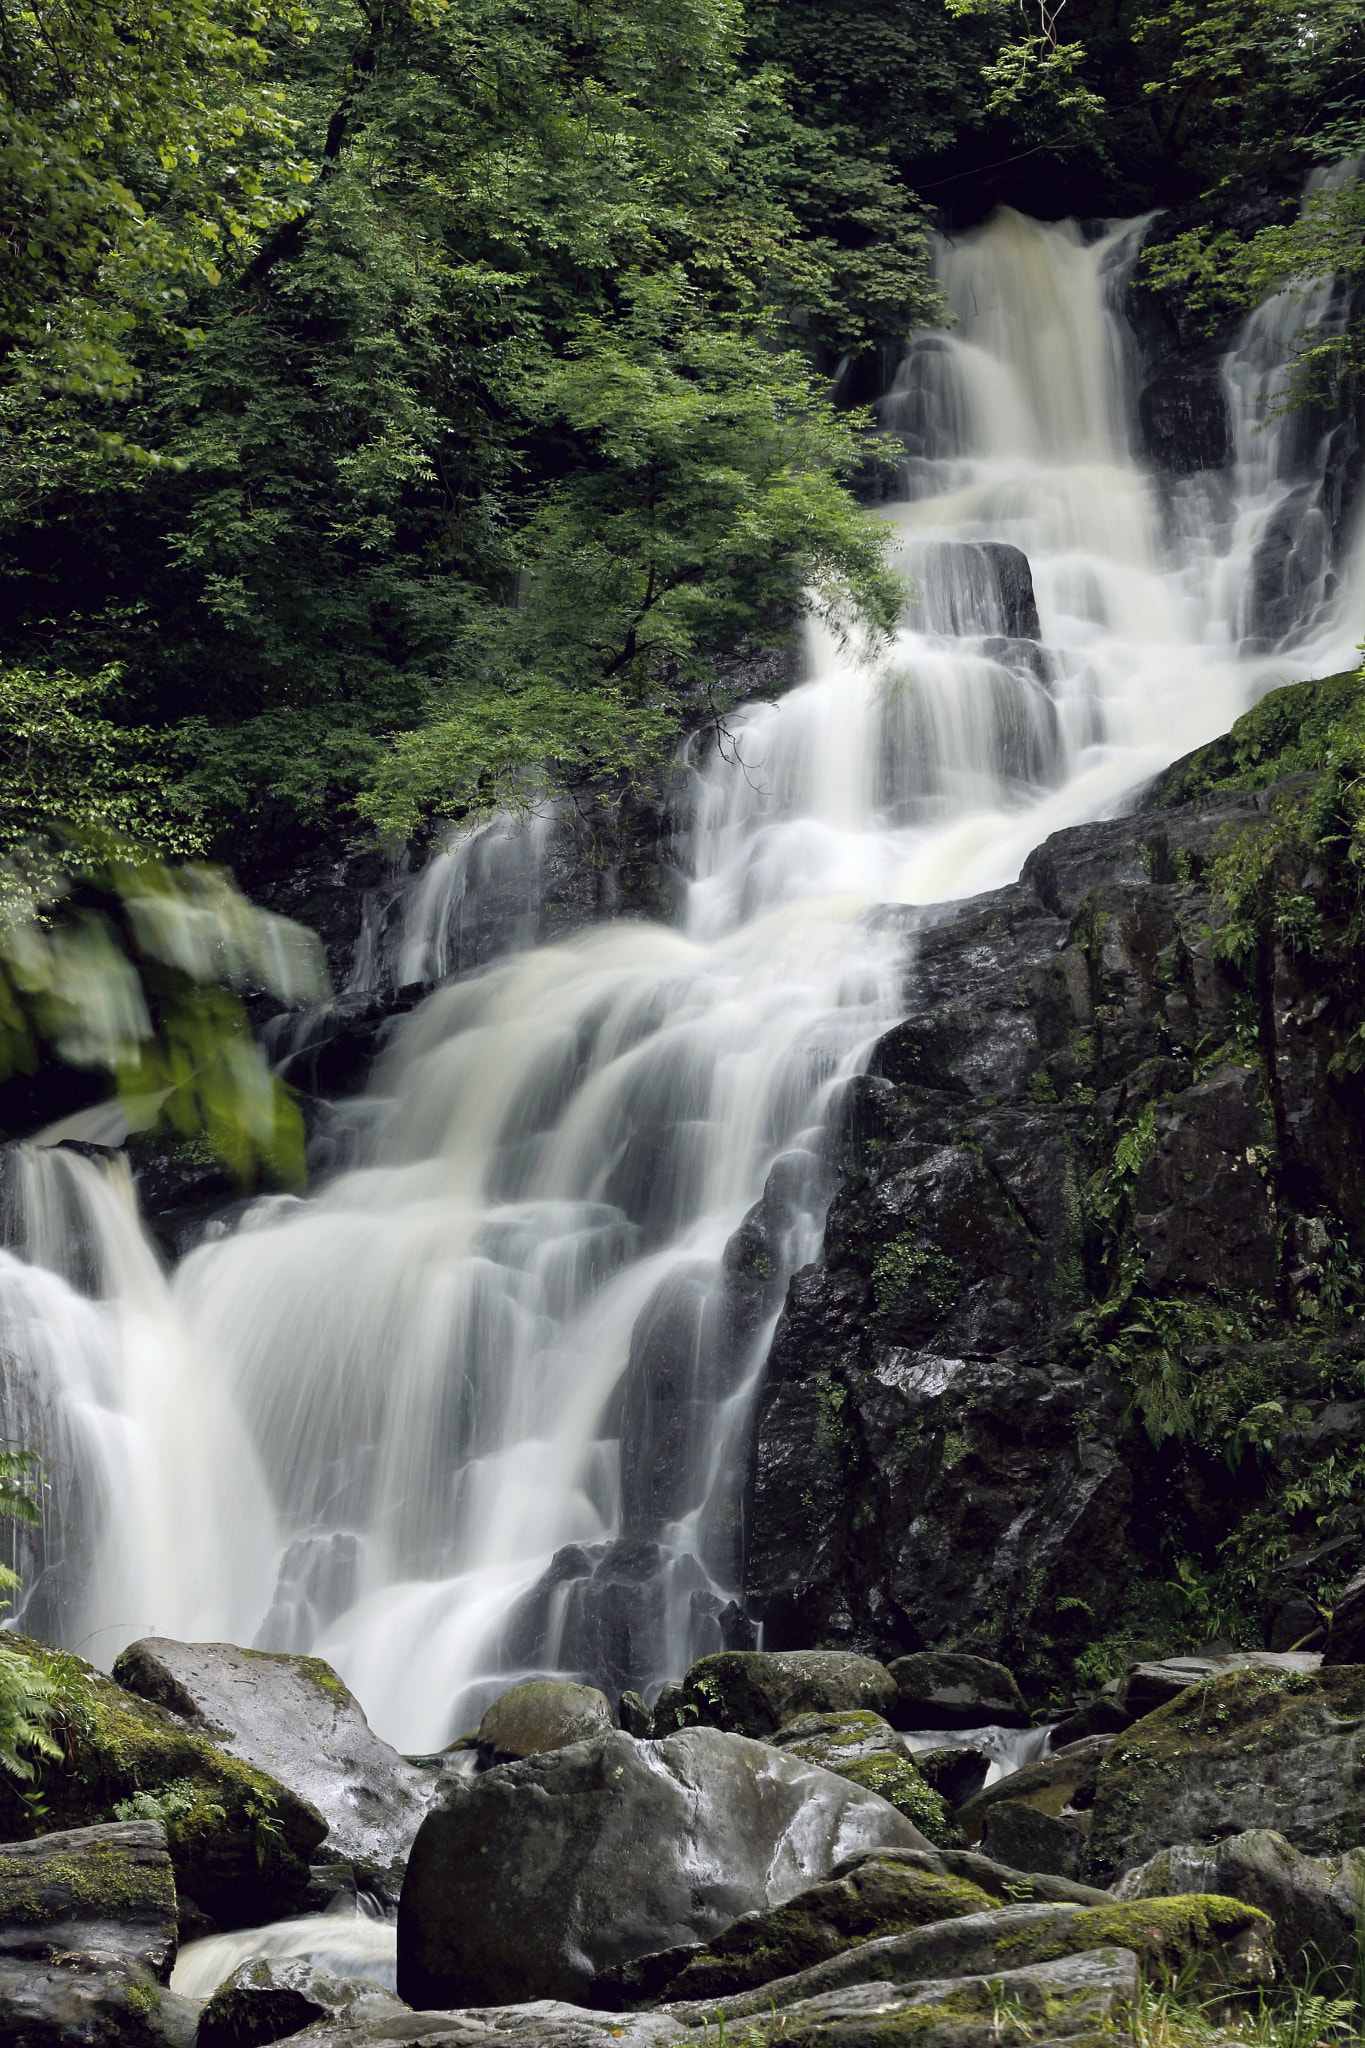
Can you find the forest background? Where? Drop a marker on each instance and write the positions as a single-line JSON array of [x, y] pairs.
[[413, 406]]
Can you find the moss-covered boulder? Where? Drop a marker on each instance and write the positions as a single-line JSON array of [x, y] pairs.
[[1251, 1749], [1208, 1941], [240, 1842], [756, 1692], [543, 1714], [1313, 1900], [867, 1750]]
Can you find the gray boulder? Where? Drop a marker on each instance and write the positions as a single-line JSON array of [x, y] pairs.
[[1313, 1900], [866, 1750], [545, 1714], [939, 1689], [1063, 1783], [1256, 1748], [756, 1692], [268, 1999], [1029, 1839], [292, 1716], [540, 2023], [88, 1940], [534, 1878], [1145, 1687]]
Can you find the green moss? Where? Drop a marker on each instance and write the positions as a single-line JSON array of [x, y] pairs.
[[901, 1785], [316, 1670], [105, 1883], [911, 1266], [142, 1998], [1288, 732]]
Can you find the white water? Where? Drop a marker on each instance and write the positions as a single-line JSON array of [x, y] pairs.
[[416, 1385]]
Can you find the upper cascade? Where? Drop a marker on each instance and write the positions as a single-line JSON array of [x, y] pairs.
[[478, 1407]]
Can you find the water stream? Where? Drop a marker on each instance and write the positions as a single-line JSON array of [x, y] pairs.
[[477, 1406]]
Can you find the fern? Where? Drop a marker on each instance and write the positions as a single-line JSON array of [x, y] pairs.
[[30, 1703]]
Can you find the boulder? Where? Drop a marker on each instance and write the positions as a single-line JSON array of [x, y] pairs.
[[1255, 1748], [939, 1689], [1076, 1997], [266, 2000], [87, 1939], [756, 1692], [1219, 1942], [532, 1879], [546, 1714], [1030, 1839], [1148, 1686], [1062, 1783], [866, 1750], [635, 1717], [293, 1717], [956, 1772], [540, 2023], [240, 1842], [1313, 1900], [873, 1896], [1346, 1635]]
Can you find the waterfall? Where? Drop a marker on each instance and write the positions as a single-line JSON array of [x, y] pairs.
[[477, 1406]]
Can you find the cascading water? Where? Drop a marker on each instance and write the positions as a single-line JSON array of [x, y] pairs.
[[478, 1405]]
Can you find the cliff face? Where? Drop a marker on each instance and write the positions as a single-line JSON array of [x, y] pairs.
[[1071, 1372]]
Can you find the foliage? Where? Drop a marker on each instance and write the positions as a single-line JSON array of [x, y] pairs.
[[167, 1805], [112, 960], [60, 760]]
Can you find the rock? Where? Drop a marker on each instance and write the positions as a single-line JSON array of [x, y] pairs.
[[941, 1690], [1148, 1686], [1061, 1783], [546, 1714], [240, 1842], [1184, 419], [978, 588], [532, 1879], [349, 1945], [873, 1896], [1029, 1839], [756, 1692], [956, 1774], [1346, 1636], [1102, 1716], [539, 2023], [88, 1938], [293, 1717], [1314, 1901], [635, 1717], [1078, 1997], [267, 2000], [1252, 1749], [866, 1750], [1219, 1941]]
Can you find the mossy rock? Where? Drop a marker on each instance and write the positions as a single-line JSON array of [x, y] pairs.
[[866, 1749], [1249, 1749], [240, 1842], [757, 1692], [879, 1897], [1288, 732]]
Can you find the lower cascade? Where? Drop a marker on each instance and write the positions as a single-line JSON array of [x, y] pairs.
[[476, 1411]]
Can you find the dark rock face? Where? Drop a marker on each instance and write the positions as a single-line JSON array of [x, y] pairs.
[[757, 1692], [978, 588], [531, 1880], [87, 1941], [1029, 1839], [939, 1690], [1084, 1101], [1254, 1749], [293, 1717]]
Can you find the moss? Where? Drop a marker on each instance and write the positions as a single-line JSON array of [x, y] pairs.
[[105, 1883], [1288, 732], [898, 1782], [1007, 2015], [142, 1998], [120, 1748], [316, 1670], [1168, 1936]]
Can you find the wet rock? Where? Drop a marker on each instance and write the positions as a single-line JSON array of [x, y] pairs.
[[240, 1841], [866, 1750], [292, 1716], [1183, 415], [1148, 1686], [1314, 1901], [530, 1880], [756, 1692], [937, 1689], [538, 2023], [545, 1714], [1031, 1840], [1102, 1716], [1077, 1997], [88, 1938], [1221, 1941], [268, 1999], [957, 1774], [977, 588], [635, 1717], [1061, 1783], [1252, 1749], [873, 1896]]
